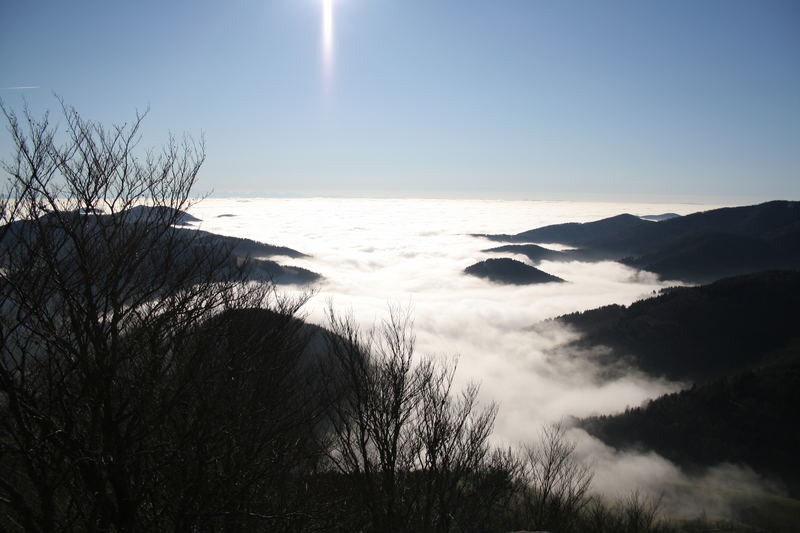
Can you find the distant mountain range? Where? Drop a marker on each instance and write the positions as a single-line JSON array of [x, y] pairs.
[[246, 255], [700, 247], [267, 270], [249, 255], [241, 247], [659, 218], [534, 252], [738, 342], [510, 271]]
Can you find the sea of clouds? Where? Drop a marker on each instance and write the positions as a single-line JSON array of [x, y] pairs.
[[410, 252]]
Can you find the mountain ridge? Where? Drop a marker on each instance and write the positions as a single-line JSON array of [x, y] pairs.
[[699, 247], [696, 333]]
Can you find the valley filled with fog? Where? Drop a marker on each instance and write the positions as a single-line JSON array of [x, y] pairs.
[[400, 267], [373, 253]]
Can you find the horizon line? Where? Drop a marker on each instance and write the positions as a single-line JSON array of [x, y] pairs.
[[700, 199]]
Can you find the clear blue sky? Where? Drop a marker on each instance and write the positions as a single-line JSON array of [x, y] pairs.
[[491, 97]]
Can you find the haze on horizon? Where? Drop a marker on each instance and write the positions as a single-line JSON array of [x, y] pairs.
[[514, 99]]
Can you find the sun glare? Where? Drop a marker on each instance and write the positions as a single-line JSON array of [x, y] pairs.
[[327, 35]]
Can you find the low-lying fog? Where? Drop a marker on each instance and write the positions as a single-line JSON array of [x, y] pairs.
[[376, 252]]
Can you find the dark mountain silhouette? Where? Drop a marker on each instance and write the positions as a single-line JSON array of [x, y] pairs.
[[627, 233], [538, 253], [659, 218], [696, 333], [738, 341], [245, 247], [574, 233], [748, 418], [240, 247], [699, 247], [532, 251], [510, 271], [266, 270], [245, 255], [145, 211], [248, 322], [710, 256]]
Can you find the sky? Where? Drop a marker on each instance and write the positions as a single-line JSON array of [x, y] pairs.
[[520, 99]]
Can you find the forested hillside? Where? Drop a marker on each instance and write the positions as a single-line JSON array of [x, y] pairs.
[[737, 340], [701, 247], [697, 333], [748, 418]]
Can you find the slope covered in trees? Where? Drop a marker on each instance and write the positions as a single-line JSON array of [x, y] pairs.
[[510, 271], [737, 340], [660, 217], [696, 333], [747, 418], [577, 234], [700, 247], [533, 252]]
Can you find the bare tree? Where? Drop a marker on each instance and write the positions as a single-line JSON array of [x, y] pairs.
[[406, 442], [556, 483], [490, 500], [453, 436], [113, 326], [635, 513]]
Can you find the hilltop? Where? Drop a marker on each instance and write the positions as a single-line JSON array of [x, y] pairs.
[[700, 247], [510, 271]]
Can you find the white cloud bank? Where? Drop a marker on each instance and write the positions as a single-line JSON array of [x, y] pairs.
[[374, 252]]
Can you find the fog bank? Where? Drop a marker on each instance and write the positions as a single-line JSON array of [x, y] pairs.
[[373, 253]]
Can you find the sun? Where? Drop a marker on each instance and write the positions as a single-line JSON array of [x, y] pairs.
[[327, 35]]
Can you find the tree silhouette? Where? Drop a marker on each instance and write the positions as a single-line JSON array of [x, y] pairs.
[[130, 399], [407, 444]]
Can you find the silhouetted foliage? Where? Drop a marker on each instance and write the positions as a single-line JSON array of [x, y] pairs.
[[747, 418], [410, 449], [129, 401], [695, 333], [555, 485]]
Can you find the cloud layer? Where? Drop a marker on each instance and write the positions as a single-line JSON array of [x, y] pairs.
[[376, 252]]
